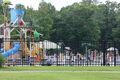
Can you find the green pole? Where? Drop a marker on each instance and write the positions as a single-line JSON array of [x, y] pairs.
[[86, 53]]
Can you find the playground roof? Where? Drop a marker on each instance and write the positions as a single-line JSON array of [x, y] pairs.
[[49, 45], [112, 49]]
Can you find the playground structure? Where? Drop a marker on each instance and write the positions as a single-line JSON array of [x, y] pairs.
[[25, 41]]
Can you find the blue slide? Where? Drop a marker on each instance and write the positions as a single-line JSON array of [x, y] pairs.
[[14, 50]]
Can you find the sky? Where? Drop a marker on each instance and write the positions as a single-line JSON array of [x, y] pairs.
[[57, 3]]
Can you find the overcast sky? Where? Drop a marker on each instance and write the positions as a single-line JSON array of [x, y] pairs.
[[57, 3]]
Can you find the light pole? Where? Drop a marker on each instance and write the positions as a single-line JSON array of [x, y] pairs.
[[86, 50]]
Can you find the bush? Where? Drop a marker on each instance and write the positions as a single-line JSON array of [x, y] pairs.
[[1, 60]]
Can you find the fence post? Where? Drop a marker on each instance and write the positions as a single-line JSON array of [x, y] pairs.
[[104, 52], [1, 41], [114, 53], [86, 50], [57, 55]]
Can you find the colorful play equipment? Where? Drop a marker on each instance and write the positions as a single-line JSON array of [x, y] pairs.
[[12, 51], [25, 44]]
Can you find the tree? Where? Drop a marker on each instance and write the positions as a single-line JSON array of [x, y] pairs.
[[107, 20], [90, 1], [1, 15], [41, 19], [76, 23], [46, 15], [116, 30], [28, 17]]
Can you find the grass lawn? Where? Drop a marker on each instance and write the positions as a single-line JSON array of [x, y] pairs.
[[58, 73], [61, 68], [59, 76]]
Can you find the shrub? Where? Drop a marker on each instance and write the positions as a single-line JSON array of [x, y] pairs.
[[1, 60]]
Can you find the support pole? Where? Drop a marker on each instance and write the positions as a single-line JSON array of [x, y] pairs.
[[104, 52], [114, 53], [86, 50]]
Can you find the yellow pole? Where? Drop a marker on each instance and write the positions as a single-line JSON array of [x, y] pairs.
[[5, 5], [5, 19]]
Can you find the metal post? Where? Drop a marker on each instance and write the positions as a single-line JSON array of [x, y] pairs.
[[86, 54], [104, 53], [0, 44], [114, 53], [57, 54], [1, 40]]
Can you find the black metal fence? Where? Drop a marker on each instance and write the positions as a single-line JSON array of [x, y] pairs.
[[85, 54]]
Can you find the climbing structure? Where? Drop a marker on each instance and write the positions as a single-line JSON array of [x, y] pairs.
[[26, 41]]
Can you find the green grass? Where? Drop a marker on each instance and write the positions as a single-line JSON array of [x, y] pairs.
[[85, 73], [61, 68], [59, 76]]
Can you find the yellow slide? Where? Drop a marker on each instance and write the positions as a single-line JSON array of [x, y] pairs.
[[35, 49], [27, 51]]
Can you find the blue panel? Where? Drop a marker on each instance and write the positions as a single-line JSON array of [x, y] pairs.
[[13, 15], [19, 12], [15, 12]]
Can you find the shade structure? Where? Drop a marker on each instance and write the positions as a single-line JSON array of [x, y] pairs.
[[49, 45], [112, 49]]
